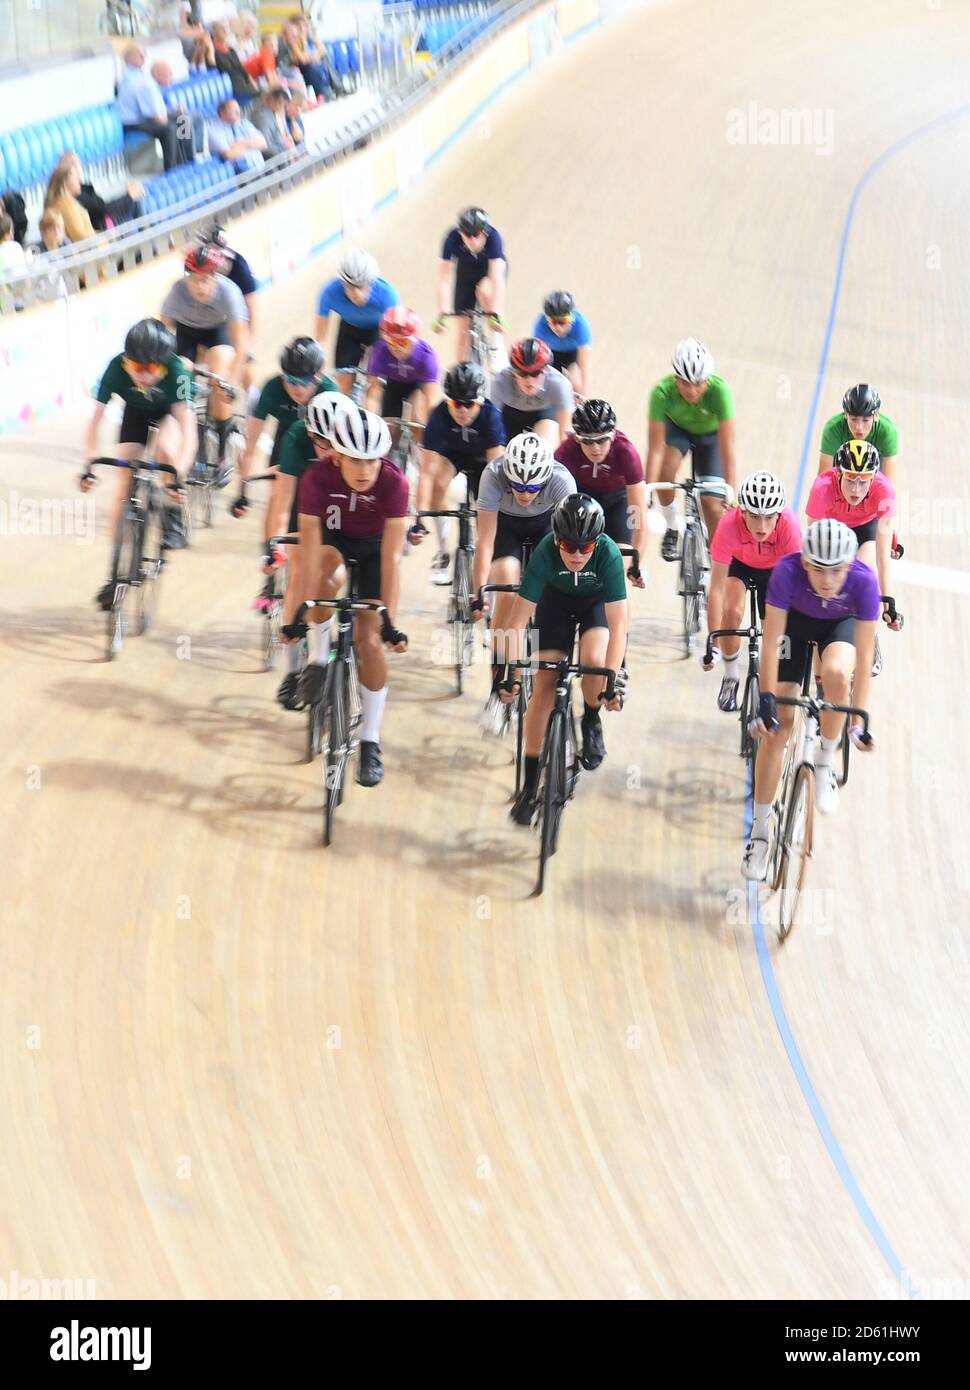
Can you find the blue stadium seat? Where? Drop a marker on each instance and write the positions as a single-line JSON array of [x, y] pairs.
[[354, 55], [3, 168]]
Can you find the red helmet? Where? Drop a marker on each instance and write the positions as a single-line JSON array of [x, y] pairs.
[[206, 260], [530, 356], [400, 325]]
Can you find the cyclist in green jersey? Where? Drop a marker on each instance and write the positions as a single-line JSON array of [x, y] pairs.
[[690, 412], [860, 419], [575, 578]]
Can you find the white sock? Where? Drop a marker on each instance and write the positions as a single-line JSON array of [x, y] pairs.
[[372, 704], [441, 528], [827, 751], [730, 664], [320, 643], [759, 826], [671, 516], [294, 656]]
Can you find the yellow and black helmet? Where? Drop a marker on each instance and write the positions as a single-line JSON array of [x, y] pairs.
[[858, 457]]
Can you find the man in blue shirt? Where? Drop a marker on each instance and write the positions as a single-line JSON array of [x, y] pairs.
[[476, 250], [234, 139], [141, 107]]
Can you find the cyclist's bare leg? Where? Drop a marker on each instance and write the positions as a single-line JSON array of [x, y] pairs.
[[669, 469], [462, 339], [838, 668], [771, 750], [540, 706], [220, 360], [713, 509], [867, 554], [507, 570], [122, 488], [732, 614], [371, 651], [592, 652], [345, 381], [549, 431]]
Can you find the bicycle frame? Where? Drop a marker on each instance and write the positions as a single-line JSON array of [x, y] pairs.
[[695, 560], [460, 599], [752, 684], [478, 345]]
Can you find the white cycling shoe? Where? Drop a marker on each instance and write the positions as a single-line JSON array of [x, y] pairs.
[[754, 864], [826, 790]]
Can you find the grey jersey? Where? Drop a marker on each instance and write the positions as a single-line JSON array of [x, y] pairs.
[[226, 305], [556, 392], [495, 492]]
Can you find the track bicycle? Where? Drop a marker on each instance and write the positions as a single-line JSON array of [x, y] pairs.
[[695, 557], [479, 322], [204, 475], [460, 598], [752, 684]]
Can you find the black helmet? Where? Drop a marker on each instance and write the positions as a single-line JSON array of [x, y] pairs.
[[149, 341], [471, 221], [593, 418], [578, 518], [861, 400], [465, 383], [303, 358], [559, 305], [215, 235]]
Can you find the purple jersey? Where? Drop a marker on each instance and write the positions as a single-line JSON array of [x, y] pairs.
[[789, 588], [620, 468], [324, 493], [417, 369]]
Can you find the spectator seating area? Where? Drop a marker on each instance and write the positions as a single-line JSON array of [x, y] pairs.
[[200, 92], [439, 33]]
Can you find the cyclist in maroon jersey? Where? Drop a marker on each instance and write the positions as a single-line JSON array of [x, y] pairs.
[[606, 466]]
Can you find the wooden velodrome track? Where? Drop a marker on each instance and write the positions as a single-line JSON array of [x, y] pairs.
[[235, 1064]]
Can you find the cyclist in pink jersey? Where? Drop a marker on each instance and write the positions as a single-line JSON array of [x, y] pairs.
[[856, 491], [749, 541]]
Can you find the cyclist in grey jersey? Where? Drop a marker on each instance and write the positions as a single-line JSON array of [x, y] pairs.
[[532, 395]]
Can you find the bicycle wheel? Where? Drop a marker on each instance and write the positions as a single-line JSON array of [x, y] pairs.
[[336, 745], [552, 774], [463, 632], [690, 572], [797, 847], [122, 564], [314, 726], [150, 571], [779, 811], [844, 746], [749, 711], [273, 618]]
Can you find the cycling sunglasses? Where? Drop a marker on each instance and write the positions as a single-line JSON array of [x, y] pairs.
[[577, 547], [150, 368], [465, 405], [594, 438], [301, 380], [560, 323], [526, 487]]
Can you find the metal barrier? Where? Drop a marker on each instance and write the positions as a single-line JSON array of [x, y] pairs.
[[104, 257]]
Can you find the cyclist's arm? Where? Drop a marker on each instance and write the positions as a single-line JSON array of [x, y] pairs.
[[727, 437], [715, 599], [889, 468], [443, 286], [825, 462], [495, 452], [655, 450], [429, 467], [280, 504], [422, 403], [616, 617], [519, 615], [484, 545], [254, 430], [865, 645], [374, 398], [392, 548], [884, 541], [773, 633], [239, 337], [564, 419], [496, 273], [251, 306], [636, 502], [320, 330], [584, 361], [311, 561], [91, 433], [184, 416]]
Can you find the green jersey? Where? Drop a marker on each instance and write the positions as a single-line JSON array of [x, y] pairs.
[[602, 576], [274, 400], [883, 435], [296, 452], [716, 404], [173, 388]]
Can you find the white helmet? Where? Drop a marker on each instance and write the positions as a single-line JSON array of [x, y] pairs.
[[528, 460], [358, 268], [692, 361], [319, 413], [829, 544], [763, 494], [357, 432]]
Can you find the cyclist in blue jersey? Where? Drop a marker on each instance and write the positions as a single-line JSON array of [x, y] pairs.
[[566, 332], [476, 250], [358, 297]]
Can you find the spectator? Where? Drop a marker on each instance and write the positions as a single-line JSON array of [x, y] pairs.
[[52, 233], [13, 262], [269, 118], [295, 106], [193, 121], [49, 284], [294, 52], [243, 38], [105, 214], [236, 140], [141, 107], [262, 65], [203, 55], [228, 61], [63, 197], [13, 204]]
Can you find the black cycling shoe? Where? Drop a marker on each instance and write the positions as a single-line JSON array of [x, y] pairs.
[[371, 769], [727, 696], [523, 808], [310, 686], [594, 746], [670, 545], [105, 597], [287, 693]]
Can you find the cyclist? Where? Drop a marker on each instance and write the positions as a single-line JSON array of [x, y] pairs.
[[209, 318], [825, 595], [354, 505], [566, 331], [860, 419], [476, 250], [749, 541], [854, 490], [574, 579], [516, 499], [156, 387], [690, 412], [606, 466], [401, 367], [464, 434], [531, 394], [240, 272], [358, 296]]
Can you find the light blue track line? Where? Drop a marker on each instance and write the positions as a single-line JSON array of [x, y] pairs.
[[758, 928]]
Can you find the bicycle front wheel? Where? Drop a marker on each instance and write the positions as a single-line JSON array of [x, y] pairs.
[[844, 745], [150, 566], [463, 633], [797, 847], [123, 563], [691, 588], [552, 780], [749, 711], [336, 745]]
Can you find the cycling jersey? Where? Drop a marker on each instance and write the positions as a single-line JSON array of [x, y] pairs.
[[158, 398], [789, 588], [556, 392], [602, 574], [274, 400], [883, 436], [621, 468], [576, 336], [467, 262], [716, 404], [359, 515], [296, 452], [733, 541], [826, 499], [226, 305], [334, 300], [495, 492], [418, 369], [241, 274], [461, 444]]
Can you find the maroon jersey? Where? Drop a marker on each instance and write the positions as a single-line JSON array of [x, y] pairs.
[[324, 493], [621, 467]]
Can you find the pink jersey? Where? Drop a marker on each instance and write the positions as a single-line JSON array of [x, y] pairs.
[[733, 541], [826, 499]]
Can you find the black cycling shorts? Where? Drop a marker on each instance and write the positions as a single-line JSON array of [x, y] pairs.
[[800, 630], [867, 531], [511, 533], [395, 394], [189, 340], [561, 360], [136, 423], [524, 421], [748, 575], [366, 551], [704, 450], [558, 615], [616, 509], [352, 345]]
